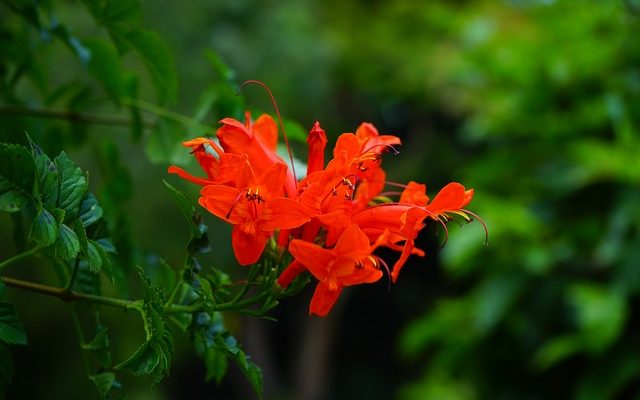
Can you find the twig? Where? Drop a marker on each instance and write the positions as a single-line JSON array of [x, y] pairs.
[[72, 116]]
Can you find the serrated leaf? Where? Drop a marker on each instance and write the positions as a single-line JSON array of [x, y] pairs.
[[157, 58], [253, 373], [17, 175], [86, 281], [73, 185], [44, 229], [67, 243], [106, 67], [12, 199], [216, 364], [90, 211], [103, 382], [142, 362], [98, 347], [82, 235], [105, 262], [48, 176], [11, 330]]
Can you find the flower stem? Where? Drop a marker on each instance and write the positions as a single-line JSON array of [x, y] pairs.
[[6, 263]]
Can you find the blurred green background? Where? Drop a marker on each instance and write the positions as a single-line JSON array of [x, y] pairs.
[[534, 104]]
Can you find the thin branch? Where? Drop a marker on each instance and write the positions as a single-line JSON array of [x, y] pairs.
[[72, 116], [168, 114], [6, 263], [70, 295]]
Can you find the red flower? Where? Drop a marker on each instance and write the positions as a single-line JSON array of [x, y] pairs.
[[349, 263], [255, 208]]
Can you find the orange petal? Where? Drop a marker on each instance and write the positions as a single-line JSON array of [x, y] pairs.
[[315, 258], [287, 276], [451, 197], [317, 141], [266, 131], [415, 193], [352, 241], [323, 299], [220, 200], [283, 213], [185, 175], [247, 243]]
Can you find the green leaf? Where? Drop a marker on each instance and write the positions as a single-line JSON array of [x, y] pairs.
[[98, 347], [106, 67], [44, 229], [17, 175], [143, 362], [216, 364], [86, 281], [199, 241], [1, 289], [104, 264], [95, 7], [6, 369], [154, 355], [73, 185], [120, 12], [11, 198], [48, 176], [11, 330], [229, 345], [90, 211], [104, 382], [82, 235], [156, 56], [67, 243]]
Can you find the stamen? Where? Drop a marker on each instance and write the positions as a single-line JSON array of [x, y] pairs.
[[484, 225], [275, 106], [234, 204], [388, 146]]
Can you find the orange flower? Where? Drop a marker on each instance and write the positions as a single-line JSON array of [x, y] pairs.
[[258, 140], [254, 208], [349, 263]]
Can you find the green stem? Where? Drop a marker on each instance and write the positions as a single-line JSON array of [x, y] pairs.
[[73, 275], [71, 116], [6, 263], [167, 114], [70, 295]]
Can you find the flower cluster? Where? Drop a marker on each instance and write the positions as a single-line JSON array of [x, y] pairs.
[[330, 221]]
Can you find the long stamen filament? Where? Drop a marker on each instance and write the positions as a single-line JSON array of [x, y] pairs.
[[275, 106]]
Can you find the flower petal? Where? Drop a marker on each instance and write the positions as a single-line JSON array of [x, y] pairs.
[[315, 258], [248, 243], [283, 213], [323, 299]]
